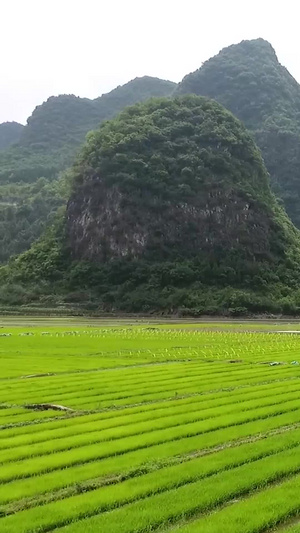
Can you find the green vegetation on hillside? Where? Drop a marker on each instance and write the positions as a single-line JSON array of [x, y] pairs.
[[10, 133], [56, 128], [249, 81], [26, 210], [47, 145], [170, 210]]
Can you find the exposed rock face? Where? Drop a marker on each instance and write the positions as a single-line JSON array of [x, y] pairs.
[[220, 202], [104, 224]]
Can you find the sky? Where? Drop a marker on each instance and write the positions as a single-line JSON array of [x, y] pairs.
[[88, 47]]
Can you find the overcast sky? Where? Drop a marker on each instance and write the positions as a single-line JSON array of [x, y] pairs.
[[88, 47]]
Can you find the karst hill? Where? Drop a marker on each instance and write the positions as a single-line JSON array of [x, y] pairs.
[[170, 208], [248, 79]]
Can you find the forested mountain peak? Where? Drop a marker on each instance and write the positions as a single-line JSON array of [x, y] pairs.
[[10, 133], [147, 86], [161, 180], [254, 48], [65, 119], [248, 79], [170, 205], [61, 119]]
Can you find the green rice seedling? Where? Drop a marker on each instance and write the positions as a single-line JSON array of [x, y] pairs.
[[46, 463], [187, 467], [257, 513], [123, 415], [146, 389], [167, 425], [164, 427], [174, 504], [94, 423]]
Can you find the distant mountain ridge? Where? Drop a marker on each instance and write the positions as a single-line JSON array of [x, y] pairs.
[[10, 133], [248, 79], [66, 119], [58, 126], [30, 188]]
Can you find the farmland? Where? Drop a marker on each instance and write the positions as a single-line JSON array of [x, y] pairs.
[[131, 427]]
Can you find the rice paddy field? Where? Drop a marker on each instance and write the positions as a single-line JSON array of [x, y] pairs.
[[115, 426]]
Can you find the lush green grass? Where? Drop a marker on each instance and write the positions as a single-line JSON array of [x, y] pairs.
[[179, 488], [179, 426]]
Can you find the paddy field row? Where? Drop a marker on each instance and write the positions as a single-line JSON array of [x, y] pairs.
[[144, 428]]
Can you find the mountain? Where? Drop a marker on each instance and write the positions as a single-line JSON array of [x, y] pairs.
[[249, 81], [56, 128], [30, 185], [170, 209], [61, 120], [137, 90], [10, 133], [66, 119]]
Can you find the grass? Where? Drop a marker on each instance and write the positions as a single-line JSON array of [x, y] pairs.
[[176, 483], [176, 426], [258, 512], [171, 415]]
